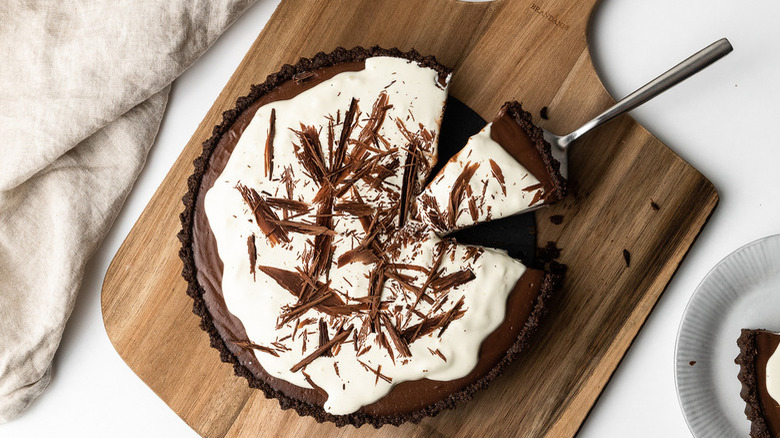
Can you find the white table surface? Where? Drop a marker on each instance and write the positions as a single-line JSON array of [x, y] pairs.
[[721, 121]]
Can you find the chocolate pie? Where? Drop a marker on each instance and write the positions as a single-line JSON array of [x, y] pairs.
[[759, 372], [318, 257]]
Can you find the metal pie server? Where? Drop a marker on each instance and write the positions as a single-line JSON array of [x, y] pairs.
[[675, 75]]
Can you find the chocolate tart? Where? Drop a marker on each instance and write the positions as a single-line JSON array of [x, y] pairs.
[[755, 349], [410, 400]]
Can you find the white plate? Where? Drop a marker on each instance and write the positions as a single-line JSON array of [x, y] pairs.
[[742, 291]]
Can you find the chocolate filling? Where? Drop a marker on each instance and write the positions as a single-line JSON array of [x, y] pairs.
[[416, 398]]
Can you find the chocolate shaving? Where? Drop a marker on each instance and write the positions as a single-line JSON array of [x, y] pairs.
[[358, 254], [287, 179], [440, 302], [473, 252], [376, 371], [310, 295], [398, 340], [365, 329], [369, 132], [376, 282], [307, 280], [368, 251], [338, 339], [429, 325], [295, 311], [473, 209], [342, 309], [309, 153], [324, 338], [291, 281], [384, 173], [382, 339], [253, 346], [408, 267], [288, 204], [263, 214], [269, 145], [323, 243], [450, 316], [436, 352], [348, 183], [387, 218], [410, 137], [331, 139], [409, 181], [534, 187], [364, 167], [435, 216], [405, 282], [346, 130], [250, 243], [498, 174], [452, 280], [426, 134], [457, 192], [280, 347], [296, 326], [433, 273], [354, 208], [303, 227], [538, 196]]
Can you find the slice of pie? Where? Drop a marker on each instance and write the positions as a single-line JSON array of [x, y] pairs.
[[313, 267], [505, 169], [759, 363]]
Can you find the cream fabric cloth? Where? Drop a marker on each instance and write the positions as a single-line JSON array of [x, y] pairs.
[[83, 88]]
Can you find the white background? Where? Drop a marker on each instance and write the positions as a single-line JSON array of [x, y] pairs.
[[722, 121]]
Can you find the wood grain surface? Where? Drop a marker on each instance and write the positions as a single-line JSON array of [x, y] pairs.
[[534, 52]]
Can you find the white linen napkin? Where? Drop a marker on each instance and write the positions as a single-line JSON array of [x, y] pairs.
[[83, 88]]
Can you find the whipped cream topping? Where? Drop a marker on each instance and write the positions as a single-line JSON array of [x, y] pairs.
[[773, 375], [496, 186], [336, 284]]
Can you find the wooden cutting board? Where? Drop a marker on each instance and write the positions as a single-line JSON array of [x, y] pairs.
[[535, 52]]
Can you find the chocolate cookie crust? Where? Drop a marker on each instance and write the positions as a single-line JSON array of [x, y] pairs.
[[292, 72]]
